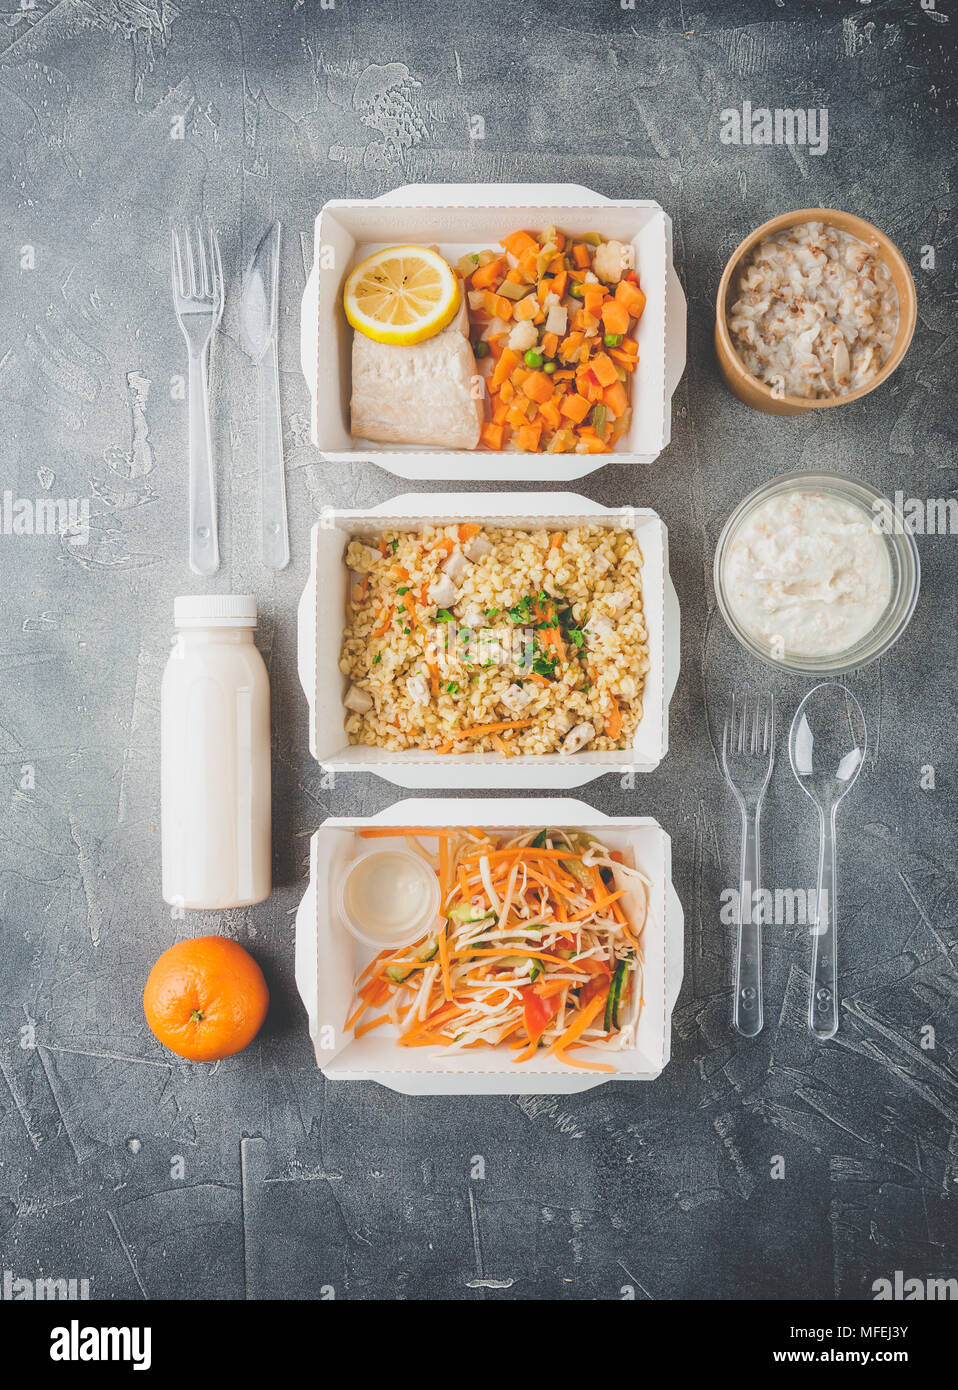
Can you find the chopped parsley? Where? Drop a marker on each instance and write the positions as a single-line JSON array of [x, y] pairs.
[[377, 658], [444, 616], [403, 590], [453, 687]]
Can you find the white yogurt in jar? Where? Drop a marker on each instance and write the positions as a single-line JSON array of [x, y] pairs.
[[807, 574]]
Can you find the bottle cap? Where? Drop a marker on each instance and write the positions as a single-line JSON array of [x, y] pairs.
[[214, 610]]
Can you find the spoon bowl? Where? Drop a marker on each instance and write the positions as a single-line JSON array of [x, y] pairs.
[[826, 747]]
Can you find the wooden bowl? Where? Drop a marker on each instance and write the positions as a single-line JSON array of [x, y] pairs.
[[755, 393]]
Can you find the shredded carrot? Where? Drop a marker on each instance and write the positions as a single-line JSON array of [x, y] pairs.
[[383, 627], [373, 1023], [480, 730], [579, 1024]]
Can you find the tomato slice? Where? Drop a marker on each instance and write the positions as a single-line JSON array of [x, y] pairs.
[[599, 984], [538, 1012]]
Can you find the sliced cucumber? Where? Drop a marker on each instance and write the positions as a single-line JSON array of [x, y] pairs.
[[468, 912], [614, 1000], [515, 962], [427, 951]]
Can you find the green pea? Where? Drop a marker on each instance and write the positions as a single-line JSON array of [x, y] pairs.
[[533, 358], [577, 291], [612, 339], [481, 348], [549, 368]]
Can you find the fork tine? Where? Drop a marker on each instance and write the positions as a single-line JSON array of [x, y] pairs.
[[743, 719], [756, 715], [216, 268], [203, 285], [190, 263], [769, 736], [176, 258]]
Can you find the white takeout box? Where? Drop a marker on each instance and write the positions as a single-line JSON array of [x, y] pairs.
[[459, 218], [328, 959], [322, 616]]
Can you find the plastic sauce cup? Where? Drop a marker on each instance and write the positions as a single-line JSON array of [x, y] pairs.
[[388, 898]]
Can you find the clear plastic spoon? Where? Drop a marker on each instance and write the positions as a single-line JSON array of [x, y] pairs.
[[826, 746]]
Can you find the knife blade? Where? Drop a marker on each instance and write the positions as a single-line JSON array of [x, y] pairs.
[[259, 316]]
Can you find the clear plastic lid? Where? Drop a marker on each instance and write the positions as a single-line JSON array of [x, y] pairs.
[[214, 610]]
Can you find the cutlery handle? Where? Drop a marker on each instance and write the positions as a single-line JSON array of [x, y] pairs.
[[823, 1002], [204, 548], [748, 1015], [275, 527]]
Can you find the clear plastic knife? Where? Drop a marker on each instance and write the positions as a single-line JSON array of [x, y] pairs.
[[258, 332]]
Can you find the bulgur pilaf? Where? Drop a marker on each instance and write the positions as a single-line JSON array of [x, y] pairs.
[[467, 638]]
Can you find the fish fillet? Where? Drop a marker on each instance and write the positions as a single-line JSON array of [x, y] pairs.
[[426, 393]]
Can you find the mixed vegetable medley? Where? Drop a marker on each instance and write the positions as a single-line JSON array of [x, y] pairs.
[[553, 320], [533, 949]]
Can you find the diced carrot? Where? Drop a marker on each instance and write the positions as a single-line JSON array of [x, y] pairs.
[[526, 308], [518, 376], [519, 242], [504, 367], [604, 369], [549, 410], [560, 282], [630, 347], [623, 359], [517, 417], [528, 438], [570, 346], [507, 391], [582, 255], [468, 529], [527, 263], [615, 316], [613, 719], [488, 277], [575, 408], [591, 444], [616, 399], [631, 298], [537, 387], [550, 344], [491, 435], [498, 306], [592, 300], [500, 408]]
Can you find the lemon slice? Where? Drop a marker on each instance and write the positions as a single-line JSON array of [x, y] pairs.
[[401, 295]]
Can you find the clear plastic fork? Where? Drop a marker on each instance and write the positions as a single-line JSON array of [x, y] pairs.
[[198, 300], [748, 754]]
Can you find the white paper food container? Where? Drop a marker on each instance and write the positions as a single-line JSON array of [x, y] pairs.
[[322, 611], [328, 960], [459, 218]]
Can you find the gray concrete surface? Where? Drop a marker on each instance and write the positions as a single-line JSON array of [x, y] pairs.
[[255, 1179]]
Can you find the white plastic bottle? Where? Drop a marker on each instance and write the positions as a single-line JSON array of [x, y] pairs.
[[215, 763]]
